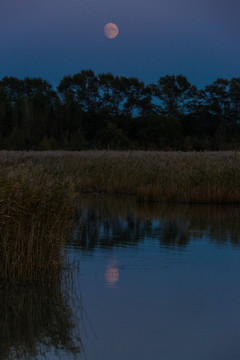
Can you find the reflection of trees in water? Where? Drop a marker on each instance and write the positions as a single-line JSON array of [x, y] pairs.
[[36, 320], [111, 222], [108, 231], [105, 231], [174, 233]]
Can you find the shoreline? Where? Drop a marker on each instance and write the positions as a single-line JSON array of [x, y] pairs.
[[38, 193]]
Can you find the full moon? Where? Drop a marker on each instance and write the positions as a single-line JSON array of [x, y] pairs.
[[111, 30]]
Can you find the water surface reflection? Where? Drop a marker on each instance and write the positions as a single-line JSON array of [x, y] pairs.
[[112, 222], [160, 282], [112, 274], [157, 282]]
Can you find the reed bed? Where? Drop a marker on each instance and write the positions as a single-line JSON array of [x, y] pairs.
[[36, 212], [37, 190], [181, 177]]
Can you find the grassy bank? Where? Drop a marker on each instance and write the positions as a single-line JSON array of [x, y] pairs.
[[37, 192]]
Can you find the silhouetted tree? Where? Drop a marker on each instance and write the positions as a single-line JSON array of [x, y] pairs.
[[112, 137], [234, 96], [175, 94], [161, 132], [217, 99], [109, 111]]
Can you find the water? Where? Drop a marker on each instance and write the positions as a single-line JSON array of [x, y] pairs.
[[151, 282]]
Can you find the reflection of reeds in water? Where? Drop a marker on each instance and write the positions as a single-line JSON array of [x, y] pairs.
[[37, 321]]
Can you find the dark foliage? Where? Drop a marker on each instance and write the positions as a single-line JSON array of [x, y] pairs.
[[112, 112]]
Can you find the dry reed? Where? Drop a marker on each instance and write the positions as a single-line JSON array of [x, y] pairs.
[[205, 177], [35, 216], [193, 177]]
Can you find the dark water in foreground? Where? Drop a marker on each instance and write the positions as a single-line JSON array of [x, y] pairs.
[[153, 282]]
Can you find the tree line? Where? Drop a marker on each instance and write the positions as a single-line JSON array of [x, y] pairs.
[[104, 111]]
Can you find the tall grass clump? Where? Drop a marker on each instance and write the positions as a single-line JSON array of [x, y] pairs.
[[35, 217]]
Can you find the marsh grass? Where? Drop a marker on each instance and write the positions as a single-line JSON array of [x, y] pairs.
[[192, 177], [35, 218], [37, 191]]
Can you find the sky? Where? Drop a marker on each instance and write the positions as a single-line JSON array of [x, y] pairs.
[[199, 39]]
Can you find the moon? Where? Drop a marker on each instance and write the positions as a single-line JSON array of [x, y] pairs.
[[111, 30]]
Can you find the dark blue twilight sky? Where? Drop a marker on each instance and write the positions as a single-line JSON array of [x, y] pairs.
[[52, 38]]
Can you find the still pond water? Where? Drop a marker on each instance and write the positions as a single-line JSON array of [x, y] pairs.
[[151, 282]]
